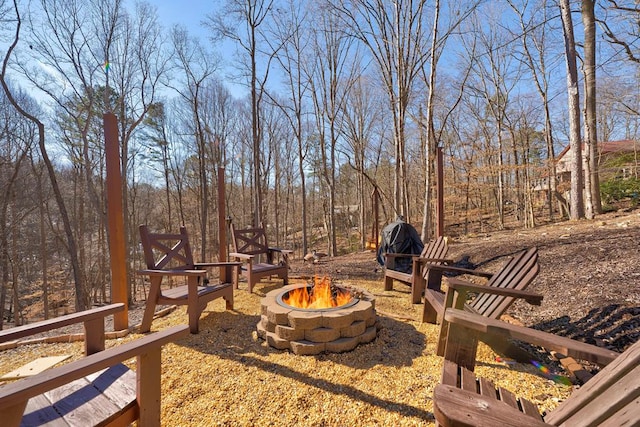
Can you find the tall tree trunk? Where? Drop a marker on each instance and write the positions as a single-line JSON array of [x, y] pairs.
[[591, 138], [577, 176]]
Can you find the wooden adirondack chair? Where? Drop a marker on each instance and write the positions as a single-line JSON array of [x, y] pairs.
[[434, 253], [610, 398], [169, 255], [492, 299], [98, 389], [259, 259]]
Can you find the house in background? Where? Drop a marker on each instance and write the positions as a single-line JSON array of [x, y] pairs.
[[616, 159]]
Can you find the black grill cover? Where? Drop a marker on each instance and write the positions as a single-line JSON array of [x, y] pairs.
[[401, 238]]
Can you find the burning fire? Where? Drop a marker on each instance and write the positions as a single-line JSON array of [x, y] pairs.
[[322, 295]]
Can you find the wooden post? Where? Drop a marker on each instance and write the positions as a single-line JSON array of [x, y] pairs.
[[440, 194], [376, 217], [225, 273], [115, 221]]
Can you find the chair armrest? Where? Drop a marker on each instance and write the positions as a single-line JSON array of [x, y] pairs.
[[566, 346], [459, 270], [91, 315], [463, 286], [216, 264], [427, 260], [454, 406], [400, 255], [18, 392], [241, 255], [149, 272], [283, 251]]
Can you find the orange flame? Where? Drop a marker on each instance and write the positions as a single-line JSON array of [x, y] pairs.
[[320, 296]]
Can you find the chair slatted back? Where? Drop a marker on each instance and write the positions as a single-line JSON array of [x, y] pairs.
[[166, 250], [611, 397], [518, 273], [436, 249], [250, 241]]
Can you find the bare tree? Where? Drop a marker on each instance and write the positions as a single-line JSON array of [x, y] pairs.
[[81, 296], [577, 176], [198, 66], [620, 25], [592, 181], [331, 71], [395, 36], [243, 22], [534, 53], [289, 32]]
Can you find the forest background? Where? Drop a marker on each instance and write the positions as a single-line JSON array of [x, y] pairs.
[[344, 100]]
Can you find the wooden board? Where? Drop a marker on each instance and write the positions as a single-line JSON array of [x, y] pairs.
[[34, 367]]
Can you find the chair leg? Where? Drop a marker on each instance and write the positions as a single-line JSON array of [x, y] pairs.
[[417, 288], [388, 283], [228, 299], [193, 308], [150, 308], [429, 314]]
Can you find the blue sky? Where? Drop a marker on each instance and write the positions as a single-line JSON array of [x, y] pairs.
[[189, 13]]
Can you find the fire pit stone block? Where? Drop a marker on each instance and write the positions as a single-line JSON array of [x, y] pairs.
[[278, 315], [343, 344], [276, 342], [363, 310], [322, 334], [355, 329], [369, 335], [307, 348], [266, 325], [337, 319], [288, 333], [305, 319]]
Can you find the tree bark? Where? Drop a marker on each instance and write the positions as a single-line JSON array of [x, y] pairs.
[[577, 176]]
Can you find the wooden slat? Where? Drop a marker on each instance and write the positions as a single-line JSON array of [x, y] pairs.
[[487, 388], [39, 411], [530, 408], [58, 322], [507, 397], [20, 391], [118, 384], [80, 404], [449, 373], [468, 381], [626, 416], [457, 407], [516, 274], [616, 389]]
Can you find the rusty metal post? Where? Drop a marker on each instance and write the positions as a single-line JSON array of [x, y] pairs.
[[115, 221], [440, 193]]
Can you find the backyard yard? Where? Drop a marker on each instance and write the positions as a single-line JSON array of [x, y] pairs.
[[226, 375]]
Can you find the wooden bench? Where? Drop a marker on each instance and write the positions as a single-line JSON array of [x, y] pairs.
[[95, 390], [259, 260], [434, 253], [611, 397], [169, 255]]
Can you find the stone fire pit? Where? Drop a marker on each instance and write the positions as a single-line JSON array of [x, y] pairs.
[[313, 331]]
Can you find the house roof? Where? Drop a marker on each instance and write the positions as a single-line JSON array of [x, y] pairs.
[[622, 146]]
